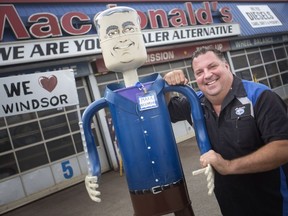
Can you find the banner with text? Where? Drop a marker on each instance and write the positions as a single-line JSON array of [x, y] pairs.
[[36, 92], [259, 16], [47, 49]]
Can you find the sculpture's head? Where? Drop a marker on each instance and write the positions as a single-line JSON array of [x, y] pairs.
[[121, 40]]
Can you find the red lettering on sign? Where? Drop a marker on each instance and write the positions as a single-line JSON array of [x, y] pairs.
[[227, 16], [45, 25], [8, 13], [67, 20], [204, 15], [179, 20], [160, 14]]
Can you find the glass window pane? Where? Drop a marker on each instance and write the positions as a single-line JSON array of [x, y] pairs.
[[254, 59], [102, 89], [195, 86], [162, 67], [268, 56], [253, 49], [265, 47], [239, 62], [258, 72], [5, 144], [54, 126], [20, 118], [78, 142], [188, 62], [60, 148], [79, 82], [264, 82], [147, 69], [73, 121], [190, 74], [283, 65], [50, 112], [236, 52], [2, 122], [275, 81], [68, 108], [177, 64], [280, 53], [271, 69], [245, 74], [284, 78], [83, 102], [8, 166], [32, 157], [108, 77], [25, 134]]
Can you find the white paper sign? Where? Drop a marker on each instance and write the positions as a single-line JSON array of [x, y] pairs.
[[38, 91], [259, 15]]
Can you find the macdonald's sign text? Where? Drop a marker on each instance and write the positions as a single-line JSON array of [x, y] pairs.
[[44, 38]]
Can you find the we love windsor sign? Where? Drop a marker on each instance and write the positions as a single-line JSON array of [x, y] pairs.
[[36, 92]]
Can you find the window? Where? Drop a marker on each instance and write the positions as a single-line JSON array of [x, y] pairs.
[[268, 64], [239, 62], [30, 140]]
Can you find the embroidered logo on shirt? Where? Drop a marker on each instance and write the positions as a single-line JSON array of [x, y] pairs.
[[240, 111]]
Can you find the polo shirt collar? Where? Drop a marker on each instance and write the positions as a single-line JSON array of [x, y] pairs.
[[237, 90]]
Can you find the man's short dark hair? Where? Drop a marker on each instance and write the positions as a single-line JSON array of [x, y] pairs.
[[203, 50]]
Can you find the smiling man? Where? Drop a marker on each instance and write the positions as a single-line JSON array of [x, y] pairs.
[[247, 125]]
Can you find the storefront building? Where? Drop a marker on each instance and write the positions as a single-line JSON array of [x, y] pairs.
[[41, 151]]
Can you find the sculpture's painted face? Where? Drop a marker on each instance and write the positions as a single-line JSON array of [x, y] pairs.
[[121, 39]]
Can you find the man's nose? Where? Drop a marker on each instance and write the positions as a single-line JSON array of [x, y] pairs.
[[207, 73]]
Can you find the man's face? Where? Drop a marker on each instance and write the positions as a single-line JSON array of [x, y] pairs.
[[213, 75], [121, 41]]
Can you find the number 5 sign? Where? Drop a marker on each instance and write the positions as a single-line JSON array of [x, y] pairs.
[[66, 169]]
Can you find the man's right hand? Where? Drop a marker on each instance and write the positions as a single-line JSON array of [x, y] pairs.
[[175, 77], [91, 186]]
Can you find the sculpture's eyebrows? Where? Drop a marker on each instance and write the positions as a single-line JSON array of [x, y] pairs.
[[111, 27], [127, 23]]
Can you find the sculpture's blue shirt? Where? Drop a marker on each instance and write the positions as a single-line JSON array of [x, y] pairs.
[[146, 138]]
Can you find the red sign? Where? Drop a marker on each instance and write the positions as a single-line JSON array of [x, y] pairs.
[[47, 25]]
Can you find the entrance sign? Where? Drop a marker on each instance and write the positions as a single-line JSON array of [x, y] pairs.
[[37, 92]]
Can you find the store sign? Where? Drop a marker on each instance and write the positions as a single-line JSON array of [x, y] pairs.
[[48, 25], [40, 50], [259, 16], [89, 45], [253, 42], [44, 40], [191, 33], [36, 92]]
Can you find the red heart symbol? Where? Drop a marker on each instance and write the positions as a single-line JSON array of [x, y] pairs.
[[48, 83]]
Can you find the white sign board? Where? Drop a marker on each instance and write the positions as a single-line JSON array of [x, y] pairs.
[[66, 47], [166, 36], [36, 92], [259, 15]]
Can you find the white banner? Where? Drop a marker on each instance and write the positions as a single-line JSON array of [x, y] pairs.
[[259, 15], [190, 33], [36, 92], [65, 47]]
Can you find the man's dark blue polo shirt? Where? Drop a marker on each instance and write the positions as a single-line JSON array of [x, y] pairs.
[[251, 117]]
